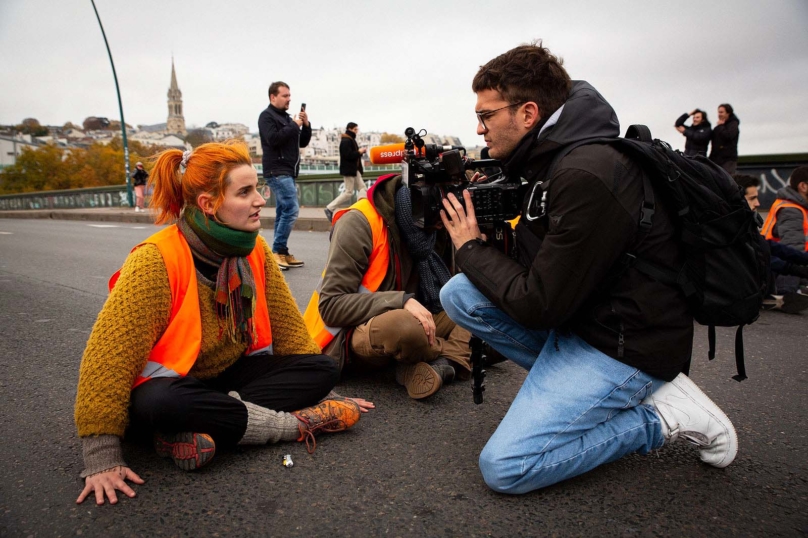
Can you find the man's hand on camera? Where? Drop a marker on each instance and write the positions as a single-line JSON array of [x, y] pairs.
[[423, 316], [462, 227]]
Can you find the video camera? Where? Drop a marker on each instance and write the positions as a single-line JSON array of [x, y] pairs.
[[432, 172]]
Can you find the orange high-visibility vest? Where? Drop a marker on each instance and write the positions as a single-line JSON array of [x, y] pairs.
[[768, 227], [178, 348], [378, 263]]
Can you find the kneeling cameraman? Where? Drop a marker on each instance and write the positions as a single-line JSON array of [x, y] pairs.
[[604, 347]]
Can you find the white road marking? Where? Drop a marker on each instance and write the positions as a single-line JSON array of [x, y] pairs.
[[103, 225], [6, 233]]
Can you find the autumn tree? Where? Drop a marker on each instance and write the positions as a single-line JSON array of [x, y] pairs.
[[93, 123], [389, 138], [40, 169], [32, 127], [197, 137], [52, 168]]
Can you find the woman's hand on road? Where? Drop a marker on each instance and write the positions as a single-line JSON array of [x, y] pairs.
[[106, 482], [363, 404]]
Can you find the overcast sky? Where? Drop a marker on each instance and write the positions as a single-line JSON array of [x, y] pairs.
[[390, 65]]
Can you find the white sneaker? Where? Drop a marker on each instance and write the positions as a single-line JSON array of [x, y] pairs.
[[684, 410]]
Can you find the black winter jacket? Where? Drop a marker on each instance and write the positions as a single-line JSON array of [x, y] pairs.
[[725, 141], [350, 160], [140, 176], [698, 136], [592, 217], [281, 140]]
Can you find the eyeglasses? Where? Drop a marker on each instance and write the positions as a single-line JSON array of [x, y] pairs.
[[482, 115]]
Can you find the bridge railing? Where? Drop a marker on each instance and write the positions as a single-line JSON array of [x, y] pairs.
[[318, 187], [312, 190]]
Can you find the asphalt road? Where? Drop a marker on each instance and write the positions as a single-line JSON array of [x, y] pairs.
[[408, 468]]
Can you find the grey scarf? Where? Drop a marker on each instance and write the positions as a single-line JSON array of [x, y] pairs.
[[432, 272]]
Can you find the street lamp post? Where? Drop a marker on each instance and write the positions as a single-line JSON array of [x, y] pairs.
[[129, 194]]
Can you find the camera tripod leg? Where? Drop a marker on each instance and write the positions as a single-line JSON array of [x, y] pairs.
[[477, 372]]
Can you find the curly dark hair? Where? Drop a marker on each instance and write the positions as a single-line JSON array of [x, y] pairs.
[[745, 181], [526, 73]]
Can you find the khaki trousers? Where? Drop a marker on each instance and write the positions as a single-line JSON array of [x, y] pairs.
[[352, 183], [397, 336]]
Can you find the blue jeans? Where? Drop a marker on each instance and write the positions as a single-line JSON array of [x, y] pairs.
[[577, 408], [286, 210]]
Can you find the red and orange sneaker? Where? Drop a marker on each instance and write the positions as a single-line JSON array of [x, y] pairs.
[[189, 450], [328, 416]]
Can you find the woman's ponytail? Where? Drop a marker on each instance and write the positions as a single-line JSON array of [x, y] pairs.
[[166, 180]]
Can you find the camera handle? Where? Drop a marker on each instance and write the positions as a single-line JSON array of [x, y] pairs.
[[477, 372]]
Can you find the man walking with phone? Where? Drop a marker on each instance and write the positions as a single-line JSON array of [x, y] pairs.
[[282, 136]]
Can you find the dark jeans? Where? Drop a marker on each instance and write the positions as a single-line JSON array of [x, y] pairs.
[[279, 383]]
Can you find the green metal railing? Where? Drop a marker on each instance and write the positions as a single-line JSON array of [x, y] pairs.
[[312, 190]]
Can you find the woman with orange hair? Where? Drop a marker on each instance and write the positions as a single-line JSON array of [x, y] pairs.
[[200, 344]]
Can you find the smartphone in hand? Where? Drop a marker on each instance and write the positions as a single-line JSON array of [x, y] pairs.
[[303, 107]]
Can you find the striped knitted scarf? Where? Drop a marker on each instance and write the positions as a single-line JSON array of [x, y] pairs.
[[226, 248], [432, 271]]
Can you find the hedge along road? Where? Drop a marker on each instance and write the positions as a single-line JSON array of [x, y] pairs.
[[407, 468]]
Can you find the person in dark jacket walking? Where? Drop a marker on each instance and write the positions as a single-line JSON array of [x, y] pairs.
[[282, 136], [350, 166], [604, 361], [725, 139], [697, 135], [139, 179]]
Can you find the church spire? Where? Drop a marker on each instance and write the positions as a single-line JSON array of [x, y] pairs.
[[173, 77], [176, 121]]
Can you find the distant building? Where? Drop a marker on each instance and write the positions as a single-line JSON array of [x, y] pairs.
[[11, 147], [226, 131], [324, 145], [176, 121], [156, 128]]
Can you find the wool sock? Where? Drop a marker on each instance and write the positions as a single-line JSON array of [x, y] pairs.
[[267, 426]]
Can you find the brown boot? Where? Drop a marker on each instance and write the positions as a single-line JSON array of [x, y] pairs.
[[280, 259], [328, 416], [291, 261], [424, 379]]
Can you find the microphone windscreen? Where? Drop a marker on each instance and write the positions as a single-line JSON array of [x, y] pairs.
[[387, 154], [484, 153]]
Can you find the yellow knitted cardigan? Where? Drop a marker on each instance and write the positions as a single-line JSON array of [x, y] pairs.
[[133, 319]]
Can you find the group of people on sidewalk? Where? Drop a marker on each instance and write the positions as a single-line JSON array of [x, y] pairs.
[[200, 344]]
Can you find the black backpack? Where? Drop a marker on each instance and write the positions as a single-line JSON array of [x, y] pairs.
[[726, 271]]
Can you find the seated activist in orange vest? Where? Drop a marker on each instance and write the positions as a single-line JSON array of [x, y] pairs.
[[200, 344], [378, 301], [787, 222]]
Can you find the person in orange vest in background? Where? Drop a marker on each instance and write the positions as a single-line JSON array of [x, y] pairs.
[[200, 344], [784, 260], [378, 301], [787, 222]]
